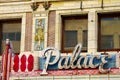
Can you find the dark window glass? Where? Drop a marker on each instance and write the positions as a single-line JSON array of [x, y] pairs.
[[11, 36], [4, 36], [85, 38], [109, 32], [18, 36], [75, 30], [70, 38], [107, 42]]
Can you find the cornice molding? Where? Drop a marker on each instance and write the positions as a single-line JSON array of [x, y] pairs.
[[9, 1], [59, 0]]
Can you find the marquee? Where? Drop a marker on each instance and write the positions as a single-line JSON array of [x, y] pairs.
[[76, 61]]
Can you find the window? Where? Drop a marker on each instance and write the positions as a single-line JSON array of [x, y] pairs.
[[70, 38], [18, 36], [85, 37], [107, 42], [109, 32], [74, 31], [10, 29], [13, 36]]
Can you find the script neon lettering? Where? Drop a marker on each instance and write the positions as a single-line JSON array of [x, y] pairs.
[[75, 61]]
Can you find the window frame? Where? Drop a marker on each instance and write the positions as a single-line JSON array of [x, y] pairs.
[[100, 16], [69, 17], [3, 21]]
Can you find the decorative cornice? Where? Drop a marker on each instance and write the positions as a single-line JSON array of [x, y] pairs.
[[34, 6], [46, 5]]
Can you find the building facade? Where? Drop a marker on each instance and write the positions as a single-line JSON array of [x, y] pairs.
[[34, 25]]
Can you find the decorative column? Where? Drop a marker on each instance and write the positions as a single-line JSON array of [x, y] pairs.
[[40, 27], [92, 31], [40, 34]]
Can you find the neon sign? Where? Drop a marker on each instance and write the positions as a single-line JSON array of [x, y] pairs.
[[76, 61]]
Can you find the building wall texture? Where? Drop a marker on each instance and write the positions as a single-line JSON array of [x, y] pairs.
[[51, 28], [28, 32]]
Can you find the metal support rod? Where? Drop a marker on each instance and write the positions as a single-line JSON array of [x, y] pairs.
[[81, 4], [102, 4], [6, 61]]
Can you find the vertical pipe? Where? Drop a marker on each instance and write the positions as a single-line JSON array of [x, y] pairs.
[[5, 64], [6, 57], [81, 4], [102, 4]]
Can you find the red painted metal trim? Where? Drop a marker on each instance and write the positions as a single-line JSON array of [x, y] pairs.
[[63, 73]]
